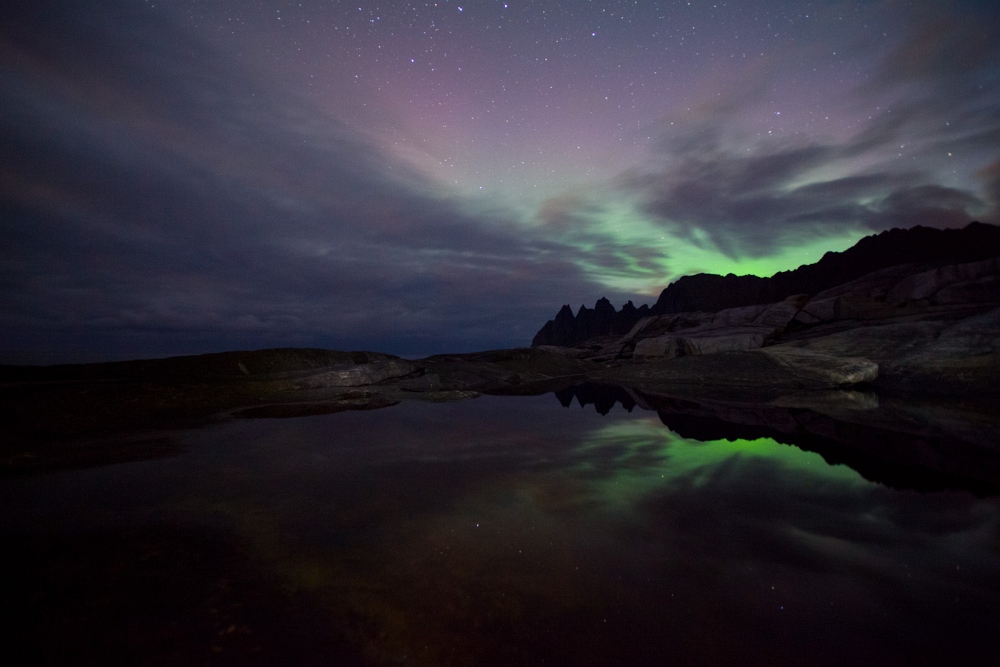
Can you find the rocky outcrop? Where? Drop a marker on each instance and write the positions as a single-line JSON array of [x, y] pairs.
[[909, 327], [740, 373], [370, 372], [941, 356], [730, 330]]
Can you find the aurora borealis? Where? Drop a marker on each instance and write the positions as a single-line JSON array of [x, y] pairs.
[[184, 177]]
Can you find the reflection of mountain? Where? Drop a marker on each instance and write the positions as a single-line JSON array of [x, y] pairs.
[[924, 447], [602, 396]]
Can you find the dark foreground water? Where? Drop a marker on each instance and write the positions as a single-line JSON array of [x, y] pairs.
[[492, 531]]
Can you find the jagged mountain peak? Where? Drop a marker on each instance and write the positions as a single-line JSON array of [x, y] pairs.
[[711, 292]]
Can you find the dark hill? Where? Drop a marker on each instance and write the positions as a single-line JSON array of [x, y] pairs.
[[711, 293]]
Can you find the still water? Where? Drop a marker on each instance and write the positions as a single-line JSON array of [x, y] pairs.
[[491, 531]]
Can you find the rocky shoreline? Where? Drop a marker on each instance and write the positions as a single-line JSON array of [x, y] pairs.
[[79, 416], [901, 364]]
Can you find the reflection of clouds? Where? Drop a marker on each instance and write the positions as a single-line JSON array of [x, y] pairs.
[[633, 458], [867, 535], [514, 529], [755, 540]]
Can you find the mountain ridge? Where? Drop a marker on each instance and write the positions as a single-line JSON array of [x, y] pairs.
[[707, 292]]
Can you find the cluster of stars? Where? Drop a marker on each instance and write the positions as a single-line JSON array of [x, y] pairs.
[[580, 83]]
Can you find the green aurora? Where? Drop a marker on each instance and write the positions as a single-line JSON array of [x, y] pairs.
[[639, 457]]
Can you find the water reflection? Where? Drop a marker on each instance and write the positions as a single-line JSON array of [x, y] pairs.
[[495, 531], [905, 445]]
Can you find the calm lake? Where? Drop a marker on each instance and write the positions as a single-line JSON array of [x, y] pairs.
[[491, 531]]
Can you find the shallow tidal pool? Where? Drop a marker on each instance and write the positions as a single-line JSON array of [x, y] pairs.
[[491, 531]]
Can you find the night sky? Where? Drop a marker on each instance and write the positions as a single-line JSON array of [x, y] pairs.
[[184, 176]]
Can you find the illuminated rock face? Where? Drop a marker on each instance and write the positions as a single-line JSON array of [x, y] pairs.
[[357, 375]]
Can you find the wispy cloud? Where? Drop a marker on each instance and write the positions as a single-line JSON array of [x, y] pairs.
[[712, 178], [157, 187]]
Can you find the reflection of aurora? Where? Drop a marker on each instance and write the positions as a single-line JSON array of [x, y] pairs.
[[528, 542], [630, 459], [513, 531]]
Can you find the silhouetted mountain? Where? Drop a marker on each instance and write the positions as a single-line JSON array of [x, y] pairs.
[[602, 397], [918, 245], [711, 293], [601, 320]]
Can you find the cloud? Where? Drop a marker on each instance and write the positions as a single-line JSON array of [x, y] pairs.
[[990, 174], [159, 189], [947, 47], [747, 205], [153, 190], [913, 160]]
